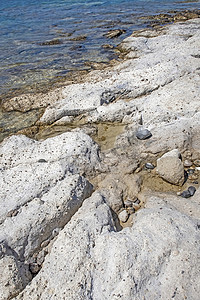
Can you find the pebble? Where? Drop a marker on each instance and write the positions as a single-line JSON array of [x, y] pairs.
[[190, 171], [128, 203], [197, 162], [187, 163], [143, 134], [149, 166], [193, 177], [189, 193], [185, 194], [191, 190], [42, 160], [123, 216]]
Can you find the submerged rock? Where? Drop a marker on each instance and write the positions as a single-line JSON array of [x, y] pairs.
[[114, 33]]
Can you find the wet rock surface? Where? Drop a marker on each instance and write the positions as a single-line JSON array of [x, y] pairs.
[[111, 221], [114, 33]]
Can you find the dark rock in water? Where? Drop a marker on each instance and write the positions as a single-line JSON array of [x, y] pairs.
[[108, 46], [79, 38], [114, 33], [185, 194], [51, 43], [191, 190], [76, 47], [149, 166], [143, 134]]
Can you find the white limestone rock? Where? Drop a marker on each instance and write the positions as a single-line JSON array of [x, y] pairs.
[[14, 273], [65, 148], [170, 167], [161, 60], [40, 192], [37, 218], [30, 169], [158, 257], [77, 99]]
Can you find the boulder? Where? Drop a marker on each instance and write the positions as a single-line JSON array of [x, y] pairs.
[[170, 167]]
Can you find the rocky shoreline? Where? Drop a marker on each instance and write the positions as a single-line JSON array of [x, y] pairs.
[[103, 203]]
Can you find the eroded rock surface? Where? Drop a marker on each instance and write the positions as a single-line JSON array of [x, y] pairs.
[[40, 191], [156, 257], [60, 241]]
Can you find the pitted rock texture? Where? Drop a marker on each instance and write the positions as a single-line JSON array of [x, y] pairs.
[[157, 257], [166, 64], [40, 191], [60, 241]]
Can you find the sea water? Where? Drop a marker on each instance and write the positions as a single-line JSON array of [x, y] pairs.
[[29, 58]]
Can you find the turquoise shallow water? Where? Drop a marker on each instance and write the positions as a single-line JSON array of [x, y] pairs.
[[25, 26]]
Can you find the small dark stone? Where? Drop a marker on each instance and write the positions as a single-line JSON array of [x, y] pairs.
[[190, 171], [79, 38], [34, 268], [42, 160], [143, 134], [195, 182], [149, 166], [191, 190], [185, 194]]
